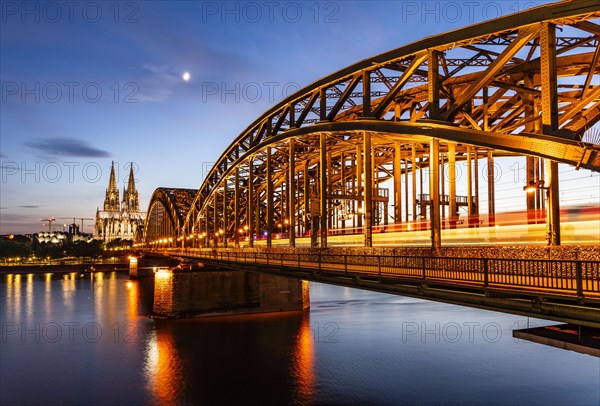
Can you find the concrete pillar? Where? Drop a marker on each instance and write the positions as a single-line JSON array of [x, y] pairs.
[[179, 294], [133, 267]]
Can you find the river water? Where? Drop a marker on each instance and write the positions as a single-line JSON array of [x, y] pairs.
[[88, 339]]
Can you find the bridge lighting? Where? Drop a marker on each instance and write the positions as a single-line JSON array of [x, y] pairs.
[[163, 273], [532, 186]]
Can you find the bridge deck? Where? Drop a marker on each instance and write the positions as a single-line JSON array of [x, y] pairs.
[[564, 290]]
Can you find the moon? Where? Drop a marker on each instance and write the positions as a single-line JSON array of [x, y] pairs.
[[186, 76]]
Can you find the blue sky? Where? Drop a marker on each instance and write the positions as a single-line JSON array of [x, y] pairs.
[[97, 82]]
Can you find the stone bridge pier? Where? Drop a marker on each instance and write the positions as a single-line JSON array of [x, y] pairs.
[[183, 292]]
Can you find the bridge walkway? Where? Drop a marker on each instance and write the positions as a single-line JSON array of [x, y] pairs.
[[563, 290]]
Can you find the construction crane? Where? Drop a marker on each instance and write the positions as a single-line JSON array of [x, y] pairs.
[[76, 218], [49, 220]]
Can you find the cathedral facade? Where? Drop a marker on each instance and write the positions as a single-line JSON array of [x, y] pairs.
[[119, 219]]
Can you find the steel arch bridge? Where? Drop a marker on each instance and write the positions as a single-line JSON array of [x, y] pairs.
[[522, 85], [167, 212]]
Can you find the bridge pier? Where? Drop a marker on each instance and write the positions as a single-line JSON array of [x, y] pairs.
[[133, 267], [184, 293]]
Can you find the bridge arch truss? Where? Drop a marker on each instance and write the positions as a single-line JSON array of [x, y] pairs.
[[521, 85]]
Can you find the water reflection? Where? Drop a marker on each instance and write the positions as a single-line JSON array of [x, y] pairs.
[[163, 368], [89, 340], [225, 359], [47, 295], [303, 362], [29, 296]]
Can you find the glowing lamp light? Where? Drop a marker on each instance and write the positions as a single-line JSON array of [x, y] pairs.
[[532, 186], [163, 273]]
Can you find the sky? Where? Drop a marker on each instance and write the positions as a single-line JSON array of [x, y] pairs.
[[86, 83]]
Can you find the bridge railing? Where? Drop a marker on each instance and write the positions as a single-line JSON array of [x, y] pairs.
[[567, 277]]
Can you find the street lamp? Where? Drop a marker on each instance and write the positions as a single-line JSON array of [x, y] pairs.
[[552, 213]]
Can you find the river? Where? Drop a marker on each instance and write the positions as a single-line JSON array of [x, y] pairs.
[[88, 339]]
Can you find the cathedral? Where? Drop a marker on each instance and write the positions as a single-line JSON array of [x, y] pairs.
[[119, 219]]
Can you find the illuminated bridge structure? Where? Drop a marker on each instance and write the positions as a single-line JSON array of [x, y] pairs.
[[316, 163], [342, 162]]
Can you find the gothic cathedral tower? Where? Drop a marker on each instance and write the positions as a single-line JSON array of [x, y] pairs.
[[111, 200], [131, 201], [119, 220]]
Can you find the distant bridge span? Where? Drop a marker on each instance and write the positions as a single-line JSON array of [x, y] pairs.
[[314, 164]]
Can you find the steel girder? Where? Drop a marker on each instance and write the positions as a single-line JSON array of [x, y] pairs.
[[479, 85], [168, 209]]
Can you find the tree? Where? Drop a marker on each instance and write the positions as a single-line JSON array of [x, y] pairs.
[[12, 249], [85, 249]]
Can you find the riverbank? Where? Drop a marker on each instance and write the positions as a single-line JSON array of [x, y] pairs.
[[65, 268]]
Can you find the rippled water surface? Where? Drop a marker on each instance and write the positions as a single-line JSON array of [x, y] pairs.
[[88, 339]]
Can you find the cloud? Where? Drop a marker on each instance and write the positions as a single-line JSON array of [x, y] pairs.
[[28, 206], [66, 147], [158, 83]]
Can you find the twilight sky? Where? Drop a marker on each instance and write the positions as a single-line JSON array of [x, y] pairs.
[[87, 83]]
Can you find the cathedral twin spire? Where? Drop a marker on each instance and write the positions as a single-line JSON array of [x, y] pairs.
[[130, 195]]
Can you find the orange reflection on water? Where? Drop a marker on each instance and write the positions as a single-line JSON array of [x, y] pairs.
[[48, 294], [9, 293], [163, 368], [29, 295], [132, 300], [304, 359], [16, 297]]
